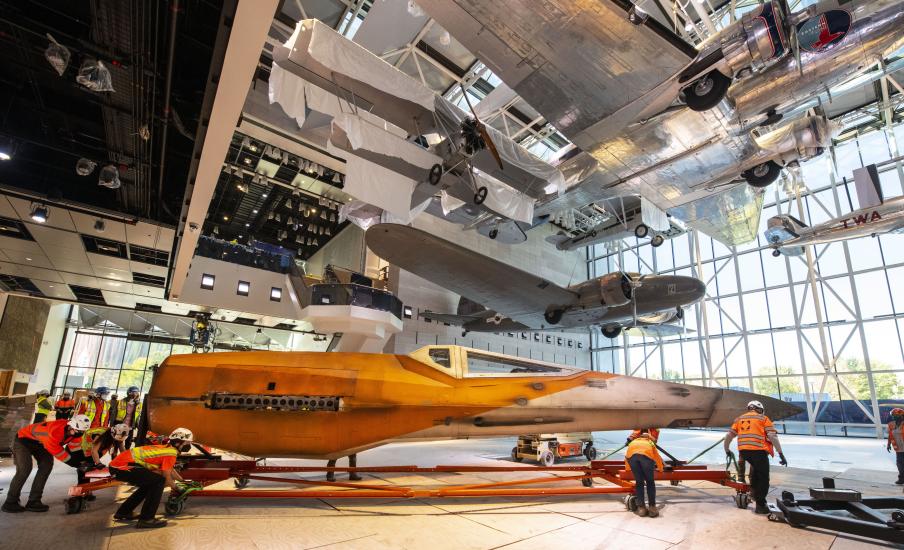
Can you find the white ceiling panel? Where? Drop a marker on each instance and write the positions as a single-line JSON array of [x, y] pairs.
[[142, 234], [142, 290], [112, 229], [9, 243], [118, 299], [115, 286], [69, 254], [165, 239], [54, 290], [72, 266], [51, 236], [81, 280], [8, 268], [41, 274], [56, 217], [101, 262], [29, 259], [6, 209], [120, 275]]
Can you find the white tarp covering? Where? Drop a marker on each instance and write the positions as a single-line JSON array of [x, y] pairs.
[[652, 216], [364, 135], [504, 200], [449, 203], [333, 50]]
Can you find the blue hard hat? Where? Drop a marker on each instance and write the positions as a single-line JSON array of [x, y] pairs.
[[134, 389], [102, 390]]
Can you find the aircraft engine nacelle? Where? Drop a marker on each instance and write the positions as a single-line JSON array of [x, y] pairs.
[[615, 289], [802, 139]]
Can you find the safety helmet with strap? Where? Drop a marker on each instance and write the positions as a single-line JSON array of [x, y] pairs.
[[79, 423]]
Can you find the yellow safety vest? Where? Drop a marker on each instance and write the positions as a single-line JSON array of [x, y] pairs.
[[121, 408], [44, 406], [91, 411], [88, 438], [140, 455]]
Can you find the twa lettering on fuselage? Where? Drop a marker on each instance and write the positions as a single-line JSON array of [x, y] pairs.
[[861, 219]]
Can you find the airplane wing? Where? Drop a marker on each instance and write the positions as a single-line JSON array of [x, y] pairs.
[[450, 318], [602, 70], [731, 217], [658, 331], [491, 283]]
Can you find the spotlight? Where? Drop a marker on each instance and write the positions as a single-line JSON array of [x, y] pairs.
[[109, 177], [99, 226], [5, 156], [39, 213], [84, 167]]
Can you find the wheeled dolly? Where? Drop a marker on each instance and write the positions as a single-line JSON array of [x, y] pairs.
[[549, 448]]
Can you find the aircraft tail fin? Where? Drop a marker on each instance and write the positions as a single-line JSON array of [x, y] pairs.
[[869, 191]]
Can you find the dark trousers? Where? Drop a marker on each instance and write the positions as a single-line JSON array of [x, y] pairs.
[[759, 474], [899, 459], [39, 417], [149, 488], [644, 470], [81, 462], [24, 450]]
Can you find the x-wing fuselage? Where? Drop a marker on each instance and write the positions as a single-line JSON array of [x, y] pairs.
[[328, 405]]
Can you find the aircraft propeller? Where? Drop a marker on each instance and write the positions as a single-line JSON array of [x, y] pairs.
[[791, 29], [481, 129]]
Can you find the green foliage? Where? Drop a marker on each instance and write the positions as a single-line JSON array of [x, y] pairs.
[[886, 383], [773, 386]]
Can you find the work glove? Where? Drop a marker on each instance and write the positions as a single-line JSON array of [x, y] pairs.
[[782, 460], [888, 448], [98, 466], [729, 457], [628, 441]]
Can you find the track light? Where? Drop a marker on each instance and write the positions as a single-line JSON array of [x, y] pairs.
[[99, 226], [84, 167], [216, 230], [5, 156], [109, 177], [289, 204], [290, 221], [39, 213]]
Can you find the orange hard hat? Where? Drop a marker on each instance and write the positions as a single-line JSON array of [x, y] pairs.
[[897, 411]]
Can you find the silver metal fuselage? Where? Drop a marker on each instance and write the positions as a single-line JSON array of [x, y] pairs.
[[875, 220]]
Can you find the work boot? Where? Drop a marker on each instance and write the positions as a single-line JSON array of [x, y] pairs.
[[899, 482], [354, 477], [331, 476], [131, 516], [12, 507], [653, 511], [36, 507], [642, 511], [761, 509], [150, 523]]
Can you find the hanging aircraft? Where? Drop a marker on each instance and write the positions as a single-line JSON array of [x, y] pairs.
[[515, 300], [787, 235], [654, 117], [328, 405]]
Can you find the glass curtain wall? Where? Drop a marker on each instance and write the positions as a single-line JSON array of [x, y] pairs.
[[828, 337]]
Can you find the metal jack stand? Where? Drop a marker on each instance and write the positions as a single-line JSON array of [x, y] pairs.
[[865, 516]]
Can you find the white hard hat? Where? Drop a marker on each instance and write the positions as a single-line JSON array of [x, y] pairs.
[[182, 434], [756, 405], [120, 432], [79, 423]]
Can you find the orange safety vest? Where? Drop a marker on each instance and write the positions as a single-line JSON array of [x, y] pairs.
[[65, 404], [52, 435], [89, 407], [896, 436], [644, 446], [654, 434], [753, 431]]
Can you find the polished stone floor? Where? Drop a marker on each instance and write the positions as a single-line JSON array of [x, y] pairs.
[[694, 515]]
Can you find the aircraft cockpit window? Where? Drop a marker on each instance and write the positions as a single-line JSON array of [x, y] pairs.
[[489, 365], [441, 357]]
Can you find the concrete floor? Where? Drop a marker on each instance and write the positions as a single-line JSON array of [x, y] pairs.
[[694, 515]]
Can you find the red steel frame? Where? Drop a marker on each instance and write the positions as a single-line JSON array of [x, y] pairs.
[[210, 471]]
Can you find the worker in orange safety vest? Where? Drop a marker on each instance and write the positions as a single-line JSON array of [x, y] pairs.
[[757, 441], [150, 469], [896, 440], [64, 406], [42, 442], [652, 432], [643, 459], [95, 406]]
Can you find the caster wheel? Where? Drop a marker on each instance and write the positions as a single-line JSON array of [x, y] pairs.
[[241, 482], [435, 174], [547, 458], [590, 452], [742, 500], [515, 456], [772, 517], [480, 196], [173, 507], [587, 482], [674, 482], [74, 505], [630, 503]]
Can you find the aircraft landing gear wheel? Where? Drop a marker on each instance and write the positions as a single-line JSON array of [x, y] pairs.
[[641, 231], [554, 316], [241, 482], [741, 500], [762, 175], [74, 505], [630, 503], [515, 455], [587, 482], [173, 507], [611, 332], [590, 452], [493, 233], [679, 314], [706, 92], [547, 458], [435, 174], [480, 195], [657, 241], [776, 253]]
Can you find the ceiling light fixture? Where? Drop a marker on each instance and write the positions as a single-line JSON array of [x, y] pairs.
[[99, 226], [39, 213]]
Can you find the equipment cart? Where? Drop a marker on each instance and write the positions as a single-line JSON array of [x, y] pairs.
[[548, 448]]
